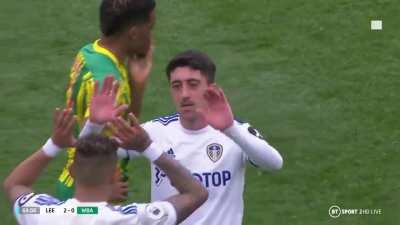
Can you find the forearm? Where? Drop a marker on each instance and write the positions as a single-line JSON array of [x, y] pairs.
[[257, 149], [26, 173], [191, 193], [179, 176]]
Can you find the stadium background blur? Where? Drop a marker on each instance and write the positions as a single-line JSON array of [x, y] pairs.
[[311, 75]]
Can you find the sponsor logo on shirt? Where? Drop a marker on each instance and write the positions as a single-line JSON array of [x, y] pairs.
[[214, 179], [208, 179]]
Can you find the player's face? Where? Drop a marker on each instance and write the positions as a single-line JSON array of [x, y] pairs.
[[140, 41], [187, 89]]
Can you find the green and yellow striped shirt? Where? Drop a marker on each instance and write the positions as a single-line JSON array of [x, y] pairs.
[[92, 63]]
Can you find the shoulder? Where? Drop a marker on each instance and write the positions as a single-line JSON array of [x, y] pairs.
[[33, 199], [166, 120], [162, 121], [162, 127], [98, 64]]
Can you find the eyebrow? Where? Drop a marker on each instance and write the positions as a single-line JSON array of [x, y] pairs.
[[176, 82], [187, 80]]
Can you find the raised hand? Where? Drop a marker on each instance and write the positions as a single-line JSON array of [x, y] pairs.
[[63, 123], [103, 107], [140, 67], [131, 136], [218, 112]]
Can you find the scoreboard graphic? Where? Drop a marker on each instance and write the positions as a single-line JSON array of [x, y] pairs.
[[59, 210]]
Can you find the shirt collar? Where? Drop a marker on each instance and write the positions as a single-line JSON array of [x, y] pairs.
[[104, 51]]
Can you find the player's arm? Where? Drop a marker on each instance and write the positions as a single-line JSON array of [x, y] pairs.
[[104, 109], [21, 179], [256, 148], [191, 193], [139, 70], [219, 115], [103, 106]]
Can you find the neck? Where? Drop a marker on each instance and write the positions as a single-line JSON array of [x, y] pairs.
[[92, 194], [193, 124], [113, 44]]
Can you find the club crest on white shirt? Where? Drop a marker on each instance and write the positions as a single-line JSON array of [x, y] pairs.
[[214, 151]]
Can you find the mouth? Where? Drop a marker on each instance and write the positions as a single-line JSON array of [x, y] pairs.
[[187, 105]]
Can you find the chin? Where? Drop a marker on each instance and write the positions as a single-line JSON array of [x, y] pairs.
[[187, 115]]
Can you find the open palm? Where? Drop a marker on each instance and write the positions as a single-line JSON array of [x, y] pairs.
[[218, 113], [103, 107]]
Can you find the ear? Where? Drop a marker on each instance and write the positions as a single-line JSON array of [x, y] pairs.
[[133, 32]]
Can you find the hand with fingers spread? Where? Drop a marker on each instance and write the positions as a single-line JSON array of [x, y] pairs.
[[103, 107], [218, 112], [131, 136], [63, 124]]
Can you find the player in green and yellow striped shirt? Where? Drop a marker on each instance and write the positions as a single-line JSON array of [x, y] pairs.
[[126, 37]]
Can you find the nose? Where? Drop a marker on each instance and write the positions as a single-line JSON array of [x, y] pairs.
[[185, 91]]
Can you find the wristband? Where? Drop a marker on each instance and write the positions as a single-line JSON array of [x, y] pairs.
[[127, 154], [50, 149], [153, 152], [91, 128], [133, 154], [122, 153]]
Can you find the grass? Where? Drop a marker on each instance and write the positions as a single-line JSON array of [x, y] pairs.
[[311, 75]]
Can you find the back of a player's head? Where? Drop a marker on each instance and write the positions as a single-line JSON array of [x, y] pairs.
[[95, 160], [196, 60], [117, 15]]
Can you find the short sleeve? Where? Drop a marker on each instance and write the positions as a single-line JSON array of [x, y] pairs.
[[23, 200], [157, 213], [149, 127]]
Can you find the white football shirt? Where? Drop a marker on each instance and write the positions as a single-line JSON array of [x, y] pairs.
[[213, 158], [72, 212]]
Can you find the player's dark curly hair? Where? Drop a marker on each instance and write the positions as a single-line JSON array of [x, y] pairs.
[[116, 15], [196, 60]]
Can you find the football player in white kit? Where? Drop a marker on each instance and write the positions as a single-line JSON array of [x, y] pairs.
[[94, 169], [205, 138]]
